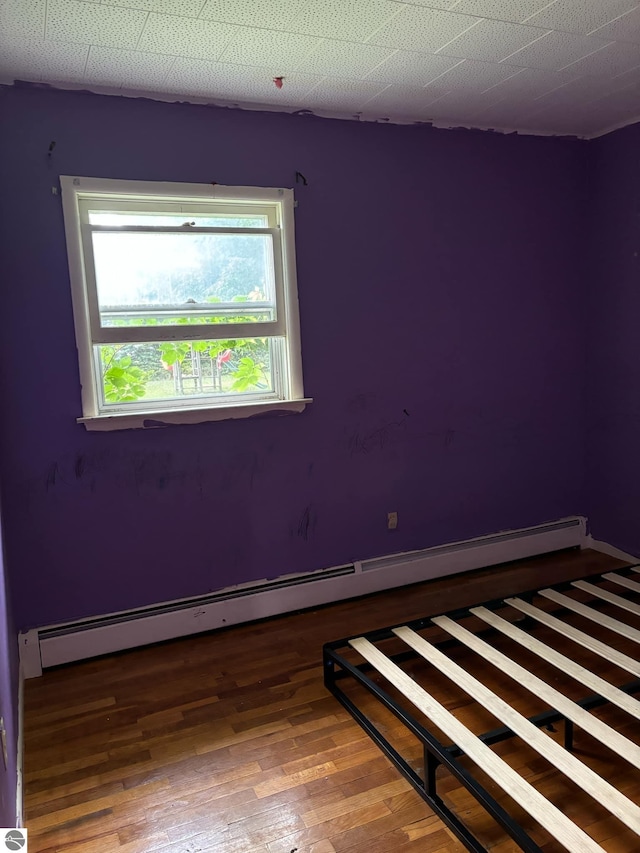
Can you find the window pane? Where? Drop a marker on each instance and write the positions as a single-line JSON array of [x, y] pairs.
[[184, 371], [138, 272]]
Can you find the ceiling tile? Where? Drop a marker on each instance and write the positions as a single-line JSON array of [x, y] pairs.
[[22, 20], [472, 76], [169, 34], [503, 114], [555, 51], [628, 78], [579, 91], [486, 62], [491, 41], [281, 52], [345, 94], [616, 58], [626, 28], [435, 4], [344, 59], [424, 30], [111, 67], [399, 102], [274, 15], [580, 16], [501, 10], [461, 107], [349, 21], [223, 81], [93, 23], [412, 69], [188, 8], [625, 99], [40, 60], [530, 83]]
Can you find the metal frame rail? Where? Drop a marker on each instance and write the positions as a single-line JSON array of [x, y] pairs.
[[337, 669]]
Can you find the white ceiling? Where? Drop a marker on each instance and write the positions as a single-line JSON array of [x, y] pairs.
[[566, 66]]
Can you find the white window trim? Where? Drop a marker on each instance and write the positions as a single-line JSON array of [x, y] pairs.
[[74, 188]]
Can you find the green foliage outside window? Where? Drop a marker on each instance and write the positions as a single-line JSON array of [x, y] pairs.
[[242, 360]]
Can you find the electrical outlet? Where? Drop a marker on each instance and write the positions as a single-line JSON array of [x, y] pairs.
[[392, 520]]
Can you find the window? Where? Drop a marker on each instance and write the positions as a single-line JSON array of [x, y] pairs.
[[185, 301]]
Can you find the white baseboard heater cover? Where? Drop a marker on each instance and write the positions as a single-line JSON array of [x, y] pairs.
[[72, 641]]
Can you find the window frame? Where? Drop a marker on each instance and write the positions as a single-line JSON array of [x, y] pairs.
[[287, 394]]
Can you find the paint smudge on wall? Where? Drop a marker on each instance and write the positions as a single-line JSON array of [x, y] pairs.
[[307, 524]]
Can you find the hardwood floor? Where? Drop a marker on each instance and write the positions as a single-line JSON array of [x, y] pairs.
[[229, 742]]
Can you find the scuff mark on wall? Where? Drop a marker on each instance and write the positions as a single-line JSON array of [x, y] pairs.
[[52, 477], [307, 524], [79, 466], [362, 441]]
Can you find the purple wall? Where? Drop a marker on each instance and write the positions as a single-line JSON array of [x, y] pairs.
[[443, 342], [8, 700], [614, 342]]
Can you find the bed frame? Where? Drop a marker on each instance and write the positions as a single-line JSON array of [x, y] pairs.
[[586, 617]]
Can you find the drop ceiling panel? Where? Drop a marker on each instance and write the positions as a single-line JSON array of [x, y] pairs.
[[400, 102], [435, 4], [94, 23], [413, 69], [555, 51], [188, 8], [504, 114], [109, 66], [624, 99], [19, 20], [452, 102], [492, 41], [580, 16], [187, 37], [626, 28], [472, 76], [523, 64], [339, 58], [272, 15], [530, 83], [43, 61], [218, 80], [349, 21], [424, 30], [279, 51], [580, 91], [615, 58], [515, 11], [350, 94]]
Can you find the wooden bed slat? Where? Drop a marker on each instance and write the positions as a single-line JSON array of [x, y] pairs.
[[592, 614], [575, 670], [578, 772], [597, 728], [611, 597], [634, 586], [597, 646], [555, 822]]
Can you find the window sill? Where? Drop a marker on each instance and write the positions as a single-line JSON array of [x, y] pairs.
[[155, 419]]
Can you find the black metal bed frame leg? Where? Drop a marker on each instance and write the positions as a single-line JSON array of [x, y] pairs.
[[431, 765], [568, 735]]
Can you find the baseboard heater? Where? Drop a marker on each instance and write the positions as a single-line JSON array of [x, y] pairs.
[[72, 641]]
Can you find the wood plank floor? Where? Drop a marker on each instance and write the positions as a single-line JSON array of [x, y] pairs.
[[228, 742]]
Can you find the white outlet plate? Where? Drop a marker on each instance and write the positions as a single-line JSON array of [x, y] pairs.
[[392, 520]]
